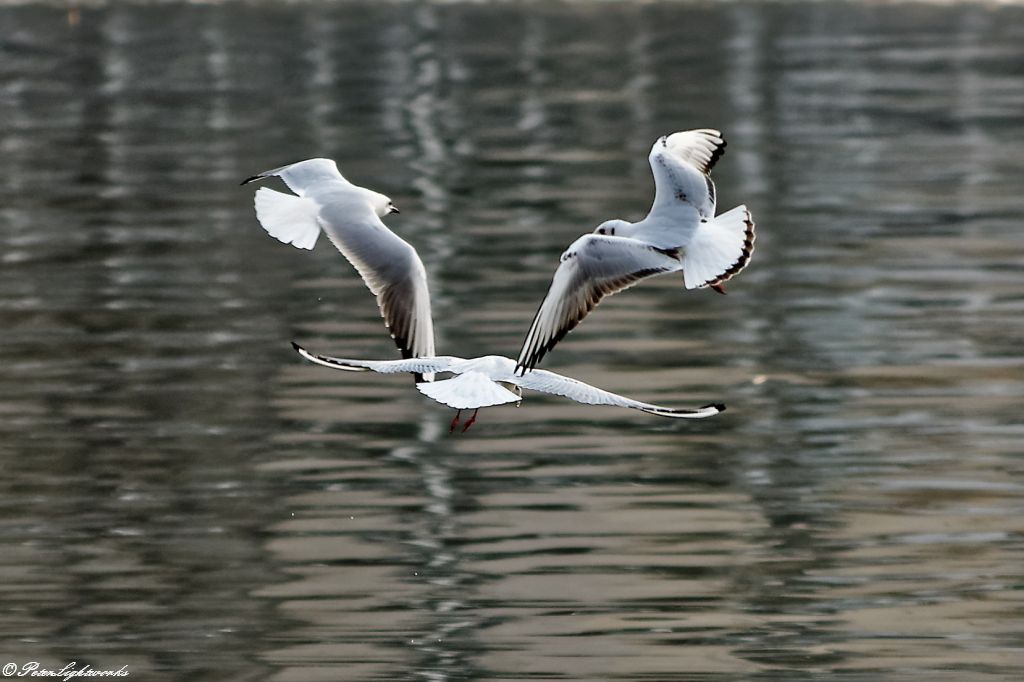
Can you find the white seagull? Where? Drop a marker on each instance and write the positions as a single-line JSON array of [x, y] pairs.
[[393, 271], [680, 232], [351, 218], [491, 380]]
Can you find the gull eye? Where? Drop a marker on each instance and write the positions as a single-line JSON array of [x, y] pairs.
[[600, 230]]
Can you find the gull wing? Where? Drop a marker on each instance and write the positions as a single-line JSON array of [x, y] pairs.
[[593, 267], [412, 365], [390, 267], [573, 389], [303, 175], [468, 391], [681, 163]]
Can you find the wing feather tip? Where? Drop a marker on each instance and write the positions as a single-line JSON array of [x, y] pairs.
[[709, 410]]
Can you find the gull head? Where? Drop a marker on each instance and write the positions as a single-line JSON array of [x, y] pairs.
[[610, 227], [382, 205]]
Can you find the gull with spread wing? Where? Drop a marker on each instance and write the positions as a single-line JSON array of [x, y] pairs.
[[680, 232], [491, 380], [393, 271], [351, 217]]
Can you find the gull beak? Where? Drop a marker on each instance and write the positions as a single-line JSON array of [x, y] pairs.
[[394, 209], [263, 175]]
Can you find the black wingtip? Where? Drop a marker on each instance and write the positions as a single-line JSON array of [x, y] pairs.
[[717, 153], [297, 347], [252, 179], [718, 406]]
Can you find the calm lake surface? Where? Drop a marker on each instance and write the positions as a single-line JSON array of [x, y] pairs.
[[180, 494]]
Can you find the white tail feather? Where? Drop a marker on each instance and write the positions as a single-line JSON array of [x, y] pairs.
[[468, 391], [288, 218], [719, 249]]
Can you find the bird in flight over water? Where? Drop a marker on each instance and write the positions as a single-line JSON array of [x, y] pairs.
[[393, 271], [491, 380], [350, 216], [680, 232]]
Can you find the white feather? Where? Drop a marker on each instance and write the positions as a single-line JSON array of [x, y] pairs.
[[468, 391], [719, 249], [287, 218]]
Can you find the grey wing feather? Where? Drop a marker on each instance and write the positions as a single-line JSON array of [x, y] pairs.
[[411, 365], [567, 387], [591, 268], [391, 269], [301, 176]]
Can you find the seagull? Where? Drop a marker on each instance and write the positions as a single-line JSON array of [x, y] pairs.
[[680, 232], [351, 217], [491, 380]]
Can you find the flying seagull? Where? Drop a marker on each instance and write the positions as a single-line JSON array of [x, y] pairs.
[[491, 380], [680, 232], [351, 217]]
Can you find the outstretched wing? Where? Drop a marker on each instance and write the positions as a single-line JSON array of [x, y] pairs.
[[304, 175], [411, 365], [593, 267], [573, 389], [390, 267], [681, 163]]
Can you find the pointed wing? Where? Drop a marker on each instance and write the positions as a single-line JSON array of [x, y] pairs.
[[681, 163], [591, 268], [468, 391], [573, 389], [411, 365], [303, 175], [389, 266], [701, 148]]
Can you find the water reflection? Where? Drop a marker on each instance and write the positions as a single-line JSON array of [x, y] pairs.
[[182, 496]]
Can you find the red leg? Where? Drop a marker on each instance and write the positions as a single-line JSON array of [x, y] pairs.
[[718, 287], [472, 420], [455, 421]]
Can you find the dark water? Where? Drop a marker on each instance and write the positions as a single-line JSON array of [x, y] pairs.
[[181, 495]]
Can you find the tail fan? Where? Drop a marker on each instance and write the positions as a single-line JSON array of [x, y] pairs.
[[719, 250], [287, 218], [468, 391]]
